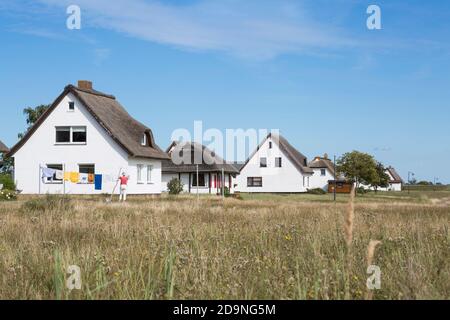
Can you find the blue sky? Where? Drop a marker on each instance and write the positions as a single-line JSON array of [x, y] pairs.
[[309, 68]]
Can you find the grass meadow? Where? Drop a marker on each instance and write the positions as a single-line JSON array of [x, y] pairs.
[[257, 247]]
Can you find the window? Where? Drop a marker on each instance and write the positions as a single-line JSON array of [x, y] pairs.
[[71, 106], [86, 168], [54, 179], [79, 134], [63, 135], [71, 135], [254, 182], [323, 172], [270, 144], [201, 180], [140, 173], [149, 174], [278, 162], [144, 140], [263, 162]]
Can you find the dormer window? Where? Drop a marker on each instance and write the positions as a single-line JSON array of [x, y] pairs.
[[144, 140], [71, 106]]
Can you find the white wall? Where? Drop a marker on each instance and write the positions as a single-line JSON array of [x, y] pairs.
[[100, 150], [319, 181], [166, 177], [285, 179]]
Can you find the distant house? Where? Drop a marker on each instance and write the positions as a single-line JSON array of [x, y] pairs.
[[213, 171], [87, 132], [275, 167], [395, 181], [323, 172]]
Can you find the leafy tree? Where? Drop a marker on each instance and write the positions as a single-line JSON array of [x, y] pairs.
[[381, 178], [33, 114], [175, 186], [358, 167]]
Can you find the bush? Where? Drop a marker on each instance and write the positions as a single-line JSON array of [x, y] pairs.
[[361, 190], [316, 191], [7, 181], [227, 192], [7, 195], [48, 203], [175, 186]]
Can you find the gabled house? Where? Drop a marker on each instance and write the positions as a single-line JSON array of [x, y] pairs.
[[275, 167], [395, 181], [189, 158], [87, 132], [323, 169]]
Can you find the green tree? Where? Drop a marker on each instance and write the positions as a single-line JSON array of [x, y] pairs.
[[358, 167], [381, 178], [33, 114], [175, 186]]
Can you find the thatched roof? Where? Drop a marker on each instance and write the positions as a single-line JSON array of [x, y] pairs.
[[322, 163], [208, 160], [110, 114], [3, 148], [395, 175], [298, 159]]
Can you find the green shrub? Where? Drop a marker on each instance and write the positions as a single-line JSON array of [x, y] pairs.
[[48, 203], [7, 195], [227, 192], [7, 181], [316, 191], [175, 186], [361, 190]]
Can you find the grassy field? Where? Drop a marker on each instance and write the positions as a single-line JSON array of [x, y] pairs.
[[260, 247]]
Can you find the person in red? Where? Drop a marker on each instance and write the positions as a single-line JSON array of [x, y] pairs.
[[123, 186]]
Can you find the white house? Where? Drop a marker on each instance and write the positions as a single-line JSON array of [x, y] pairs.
[[323, 169], [213, 171], [87, 132], [275, 167], [395, 181]]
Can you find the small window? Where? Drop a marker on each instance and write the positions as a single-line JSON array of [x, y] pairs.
[[79, 135], [149, 174], [323, 172], [140, 173], [254, 182], [201, 180], [144, 140], [71, 106], [263, 162], [278, 162], [63, 135], [55, 177], [270, 144], [86, 168]]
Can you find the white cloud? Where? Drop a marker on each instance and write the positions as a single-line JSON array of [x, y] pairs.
[[261, 29]]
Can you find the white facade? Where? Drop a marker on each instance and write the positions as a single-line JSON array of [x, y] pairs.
[[320, 178], [212, 182], [284, 179], [100, 150], [393, 186]]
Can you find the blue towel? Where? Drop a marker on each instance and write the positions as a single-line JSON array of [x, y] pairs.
[[98, 181]]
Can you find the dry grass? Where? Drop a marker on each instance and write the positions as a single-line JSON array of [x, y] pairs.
[[279, 248]]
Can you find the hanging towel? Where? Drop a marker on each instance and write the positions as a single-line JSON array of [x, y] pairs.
[[59, 174], [98, 181], [67, 176], [74, 177], [47, 173], [91, 178], [84, 178]]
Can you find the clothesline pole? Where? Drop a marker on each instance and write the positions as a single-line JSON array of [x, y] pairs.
[[64, 180]]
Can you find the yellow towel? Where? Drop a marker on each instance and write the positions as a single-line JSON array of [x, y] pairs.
[[66, 176], [74, 177]]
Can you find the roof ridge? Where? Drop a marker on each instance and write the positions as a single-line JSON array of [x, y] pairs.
[[93, 92]]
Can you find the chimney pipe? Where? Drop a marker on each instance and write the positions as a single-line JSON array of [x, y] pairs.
[[84, 84]]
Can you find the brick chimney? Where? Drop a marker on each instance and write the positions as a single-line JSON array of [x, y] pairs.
[[84, 84]]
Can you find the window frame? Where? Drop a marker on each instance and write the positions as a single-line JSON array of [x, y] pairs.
[[53, 179], [323, 172], [72, 129], [144, 140], [139, 175], [71, 106], [194, 180], [251, 182], [149, 174], [261, 165], [86, 165], [278, 162]]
